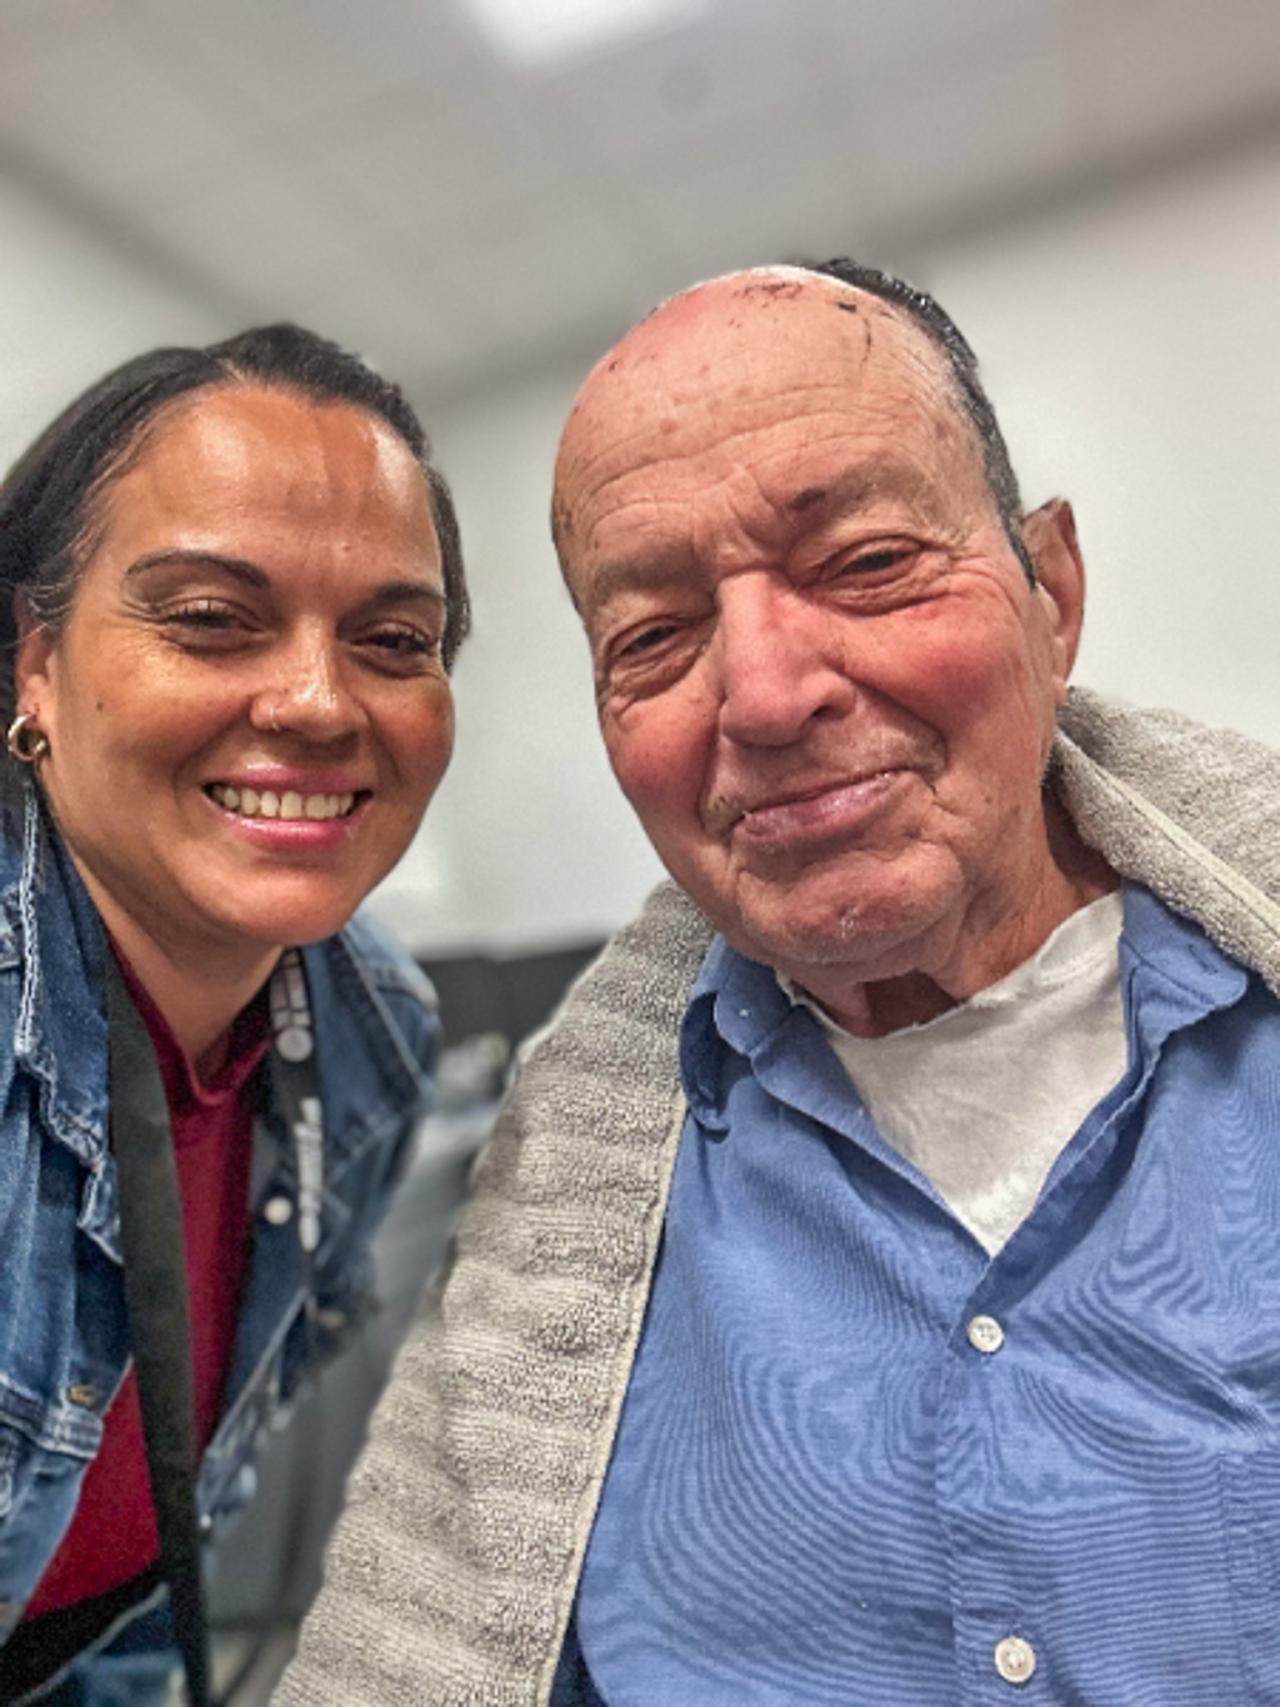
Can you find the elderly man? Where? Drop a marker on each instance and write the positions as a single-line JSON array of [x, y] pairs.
[[871, 1295]]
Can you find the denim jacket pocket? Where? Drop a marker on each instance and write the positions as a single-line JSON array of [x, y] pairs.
[[38, 1493]]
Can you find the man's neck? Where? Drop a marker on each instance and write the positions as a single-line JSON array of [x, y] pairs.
[[986, 945]]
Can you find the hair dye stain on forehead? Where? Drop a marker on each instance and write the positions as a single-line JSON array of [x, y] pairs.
[[730, 302], [714, 300], [771, 289]]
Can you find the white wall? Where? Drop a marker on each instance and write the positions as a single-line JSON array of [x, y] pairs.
[[1134, 354], [70, 310], [1133, 349], [528, 843]]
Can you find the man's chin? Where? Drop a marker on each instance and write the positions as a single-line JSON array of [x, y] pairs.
[[874, 931]]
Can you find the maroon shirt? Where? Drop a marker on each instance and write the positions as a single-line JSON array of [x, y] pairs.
[[112, 1536]]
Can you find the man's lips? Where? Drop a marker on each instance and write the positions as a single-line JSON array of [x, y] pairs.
[[827, 810]]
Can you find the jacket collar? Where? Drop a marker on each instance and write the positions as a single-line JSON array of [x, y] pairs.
[[367, 1071], [369, 1077], [61, 1033]]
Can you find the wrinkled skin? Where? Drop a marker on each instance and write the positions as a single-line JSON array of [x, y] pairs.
[[824, 682]]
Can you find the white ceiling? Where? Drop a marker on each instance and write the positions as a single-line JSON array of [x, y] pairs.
[[372, 168]]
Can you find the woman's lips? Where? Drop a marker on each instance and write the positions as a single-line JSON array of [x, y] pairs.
[[328, 824], [826, 814]]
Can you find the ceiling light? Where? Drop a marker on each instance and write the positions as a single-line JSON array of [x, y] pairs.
[[546, 32]]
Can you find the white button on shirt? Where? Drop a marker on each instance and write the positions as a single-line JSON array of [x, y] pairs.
[[985, 1334], [1015, 1659]]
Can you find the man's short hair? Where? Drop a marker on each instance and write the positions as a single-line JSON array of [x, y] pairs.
[[942, 331]]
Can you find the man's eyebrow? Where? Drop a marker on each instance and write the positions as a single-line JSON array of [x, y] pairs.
[[638, 575], [846, 491], [857, 487]]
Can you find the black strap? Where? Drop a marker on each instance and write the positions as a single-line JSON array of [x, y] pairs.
[[155, 1275], [43, 1646]]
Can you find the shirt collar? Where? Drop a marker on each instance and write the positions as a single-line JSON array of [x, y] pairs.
[[737, 1004], [1173, 974]]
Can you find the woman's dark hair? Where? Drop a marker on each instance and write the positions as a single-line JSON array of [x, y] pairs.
[[48, 503]]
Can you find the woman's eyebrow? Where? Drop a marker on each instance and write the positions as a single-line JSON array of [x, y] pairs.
[[239, 567], [389, 593], [404, 592]]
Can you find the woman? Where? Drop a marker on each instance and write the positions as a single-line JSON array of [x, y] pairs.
[[234, 590]]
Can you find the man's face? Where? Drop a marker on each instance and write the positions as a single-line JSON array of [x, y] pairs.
[[824, 682]]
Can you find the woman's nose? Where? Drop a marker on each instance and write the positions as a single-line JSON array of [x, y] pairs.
[[779, 666], [306, 694]]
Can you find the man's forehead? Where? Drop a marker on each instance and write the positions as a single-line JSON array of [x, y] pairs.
[[735, 346], [721, 333], [760, 303]]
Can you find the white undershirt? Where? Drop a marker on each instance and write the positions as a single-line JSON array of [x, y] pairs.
[[982, 1099]]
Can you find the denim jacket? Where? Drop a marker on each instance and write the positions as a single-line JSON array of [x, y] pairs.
[[64, 1344]]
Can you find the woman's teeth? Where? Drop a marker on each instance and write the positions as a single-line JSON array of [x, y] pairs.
[[249, 803]]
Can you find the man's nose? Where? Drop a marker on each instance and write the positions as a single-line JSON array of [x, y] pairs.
[[778, 666], [305, 692]]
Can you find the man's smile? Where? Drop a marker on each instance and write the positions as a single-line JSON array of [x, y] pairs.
[[829, 811]]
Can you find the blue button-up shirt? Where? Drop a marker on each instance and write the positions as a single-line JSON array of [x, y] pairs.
[[830, 1487]]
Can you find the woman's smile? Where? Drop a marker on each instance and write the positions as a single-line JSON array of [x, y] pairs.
[[248, 803]]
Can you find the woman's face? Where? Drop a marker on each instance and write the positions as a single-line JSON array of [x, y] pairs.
[[246, 709]]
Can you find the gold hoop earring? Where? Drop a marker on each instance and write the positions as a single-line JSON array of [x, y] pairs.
[[26, 741]]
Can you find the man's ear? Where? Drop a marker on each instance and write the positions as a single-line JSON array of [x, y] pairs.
[[1049, 535]]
